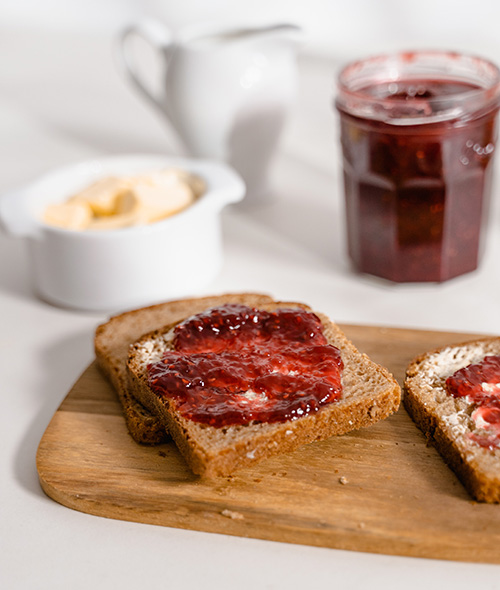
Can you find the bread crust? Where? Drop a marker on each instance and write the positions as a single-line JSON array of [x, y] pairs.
[[446, 421], [370, 394], [112, 341]]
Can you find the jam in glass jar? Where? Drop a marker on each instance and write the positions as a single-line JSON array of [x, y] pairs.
[[418, 134]]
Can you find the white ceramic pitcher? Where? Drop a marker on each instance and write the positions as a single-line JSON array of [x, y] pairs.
[[226, 92]]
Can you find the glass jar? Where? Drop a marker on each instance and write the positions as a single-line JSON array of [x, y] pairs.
[[418, 134]]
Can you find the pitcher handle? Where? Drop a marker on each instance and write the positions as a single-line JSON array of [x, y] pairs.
[[155, 34]]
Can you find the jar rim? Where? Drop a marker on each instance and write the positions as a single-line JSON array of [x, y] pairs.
[[355, 77]]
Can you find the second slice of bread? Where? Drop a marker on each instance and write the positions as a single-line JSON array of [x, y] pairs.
[[447, 421], [369, 394], [112, 341]]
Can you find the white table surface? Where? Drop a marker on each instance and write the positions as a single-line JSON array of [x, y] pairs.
[[61, 100]]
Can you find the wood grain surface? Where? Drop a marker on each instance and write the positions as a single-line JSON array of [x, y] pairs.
[[380, 489]]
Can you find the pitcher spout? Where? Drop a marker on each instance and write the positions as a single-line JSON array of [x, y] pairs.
[[284, 34]]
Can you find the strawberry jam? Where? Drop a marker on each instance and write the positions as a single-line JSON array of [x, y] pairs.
[[418, 136], [235, 365], [480, 384]]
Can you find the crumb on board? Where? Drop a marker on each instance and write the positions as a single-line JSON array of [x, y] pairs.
[[343, 480], [232, 514]]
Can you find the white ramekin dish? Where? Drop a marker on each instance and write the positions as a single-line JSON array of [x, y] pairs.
[[125, 268]]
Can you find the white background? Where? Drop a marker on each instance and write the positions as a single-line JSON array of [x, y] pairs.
[[339, 28]]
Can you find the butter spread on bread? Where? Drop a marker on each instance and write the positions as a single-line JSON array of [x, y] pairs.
[[443, 405]]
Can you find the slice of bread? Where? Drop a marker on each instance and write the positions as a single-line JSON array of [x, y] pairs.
[[112, 341], [369, 394], [446, 421]]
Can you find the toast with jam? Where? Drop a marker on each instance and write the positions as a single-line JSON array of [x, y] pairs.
[[453, 395], [241, 382], [112, 341]]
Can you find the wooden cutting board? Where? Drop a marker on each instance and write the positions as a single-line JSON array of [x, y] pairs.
[[380, 489]]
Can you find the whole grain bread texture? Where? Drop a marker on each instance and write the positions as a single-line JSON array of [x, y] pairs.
[[446, 421], [114, 337], [370, 394]]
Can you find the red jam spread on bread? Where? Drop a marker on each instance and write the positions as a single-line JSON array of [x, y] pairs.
[[480, 384], [234, 365]]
